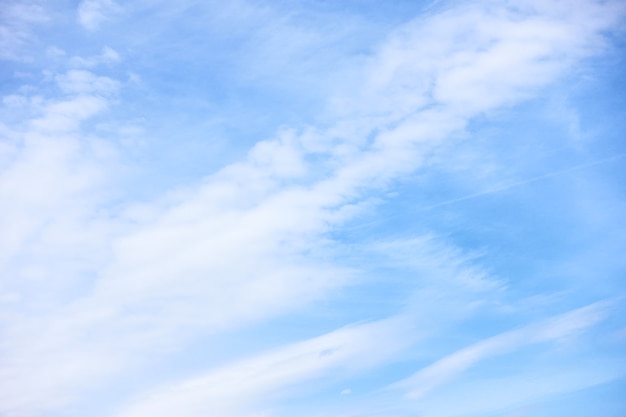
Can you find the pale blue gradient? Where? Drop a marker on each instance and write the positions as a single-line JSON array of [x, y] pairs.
[[312, 208]]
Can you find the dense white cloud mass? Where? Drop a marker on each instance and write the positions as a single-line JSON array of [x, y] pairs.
[[272, 209]]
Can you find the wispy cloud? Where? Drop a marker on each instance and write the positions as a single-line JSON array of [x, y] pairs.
[[234, 388], [102, 284], [16, 22], [527, 181], [453, 365], [92, 13]]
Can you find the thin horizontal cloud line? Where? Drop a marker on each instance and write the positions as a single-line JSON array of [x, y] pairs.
[[502, 188], [515, 184]]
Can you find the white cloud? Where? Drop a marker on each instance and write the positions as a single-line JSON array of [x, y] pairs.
[[64, 116], [235, 388], [16, 23], [46, 169], [109, 56], [250, 242], [482, 55], [525, 389], [55, 52], [51, 183], [450, 367], [92, 13], [85, 82]]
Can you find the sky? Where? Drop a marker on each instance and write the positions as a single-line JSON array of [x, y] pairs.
[[312, 208]]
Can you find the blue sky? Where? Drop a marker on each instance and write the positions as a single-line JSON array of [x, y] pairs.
[[312, 208]]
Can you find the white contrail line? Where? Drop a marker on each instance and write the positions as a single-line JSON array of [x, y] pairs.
[[495, 189], [527, 181]]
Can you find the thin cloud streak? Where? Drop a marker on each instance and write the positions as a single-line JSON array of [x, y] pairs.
[[527, 181], [450, 367], [128, 284]]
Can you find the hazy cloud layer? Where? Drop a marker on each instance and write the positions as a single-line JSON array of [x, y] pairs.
[[233, 210]]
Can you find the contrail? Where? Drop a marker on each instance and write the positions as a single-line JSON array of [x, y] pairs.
[[501, 188], [527, 181]]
